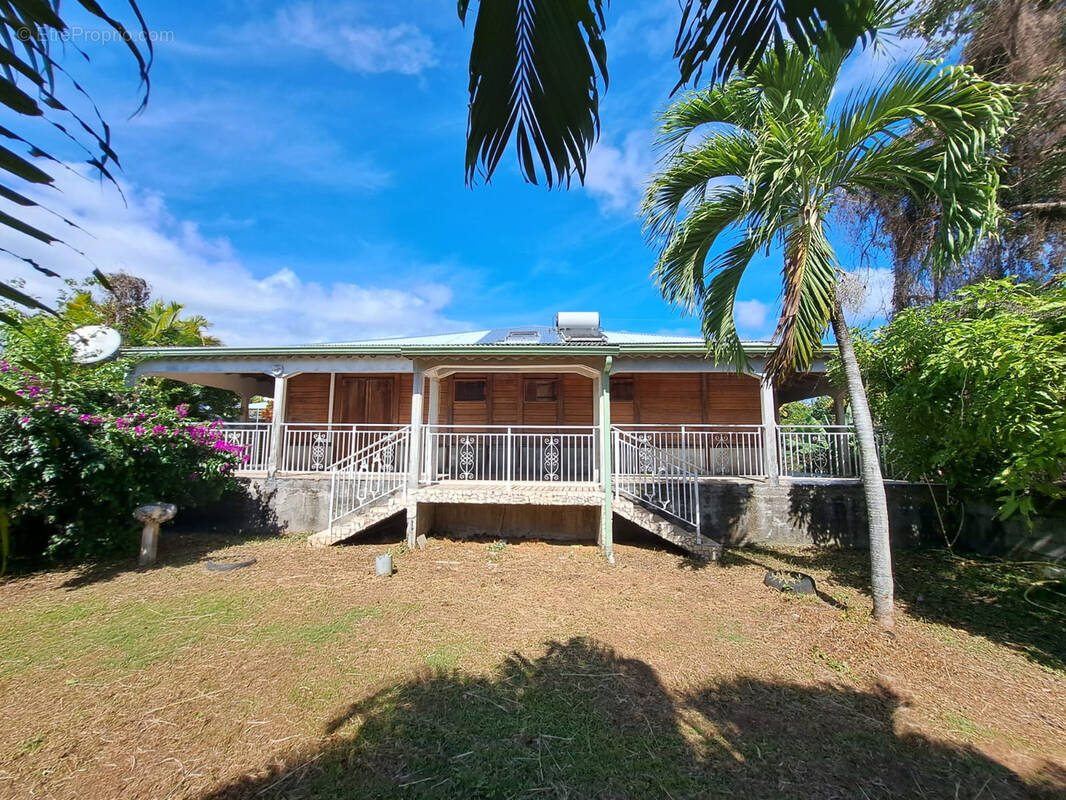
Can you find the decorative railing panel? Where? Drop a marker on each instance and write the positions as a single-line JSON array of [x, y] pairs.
[[369, 474], [824, 451], [709, 450], [655, 477], [315, 448], [254, 439], [510, 454]]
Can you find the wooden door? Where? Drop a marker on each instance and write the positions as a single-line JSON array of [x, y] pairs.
[[379, 400], [365, 400]]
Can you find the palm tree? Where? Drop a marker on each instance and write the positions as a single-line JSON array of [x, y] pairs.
[[760, 161]]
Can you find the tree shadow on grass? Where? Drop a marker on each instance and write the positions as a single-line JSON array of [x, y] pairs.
[[580, 721], [985, 596]]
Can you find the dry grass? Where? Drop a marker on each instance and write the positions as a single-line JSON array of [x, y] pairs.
[[483, 670]]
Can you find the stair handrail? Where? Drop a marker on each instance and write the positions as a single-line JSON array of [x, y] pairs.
[[352, 488], [685, 474]]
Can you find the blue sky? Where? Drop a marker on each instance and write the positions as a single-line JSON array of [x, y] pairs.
[[298, 176]]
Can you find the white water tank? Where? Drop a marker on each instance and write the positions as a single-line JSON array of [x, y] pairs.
[[579, 325]]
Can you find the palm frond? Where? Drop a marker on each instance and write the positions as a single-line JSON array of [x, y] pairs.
[[729, 35], [29, 88], [809, 274], [535, 72], [681, 270], [690, 177]]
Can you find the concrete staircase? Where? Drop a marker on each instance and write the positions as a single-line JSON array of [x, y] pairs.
[[674, 532], [358, 521]]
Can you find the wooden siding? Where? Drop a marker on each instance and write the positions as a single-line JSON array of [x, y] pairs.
[[663, 398], [307, 398]]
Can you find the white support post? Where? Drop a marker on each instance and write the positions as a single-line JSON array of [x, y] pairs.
[[274, 457], [434, 420], [332, 394], [769, 428], [597, 390], [414, 467], [606, 468]]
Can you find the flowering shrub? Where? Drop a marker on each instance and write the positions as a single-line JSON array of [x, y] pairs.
[[70, 478]]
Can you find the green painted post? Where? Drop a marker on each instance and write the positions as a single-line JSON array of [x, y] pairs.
[[606, 463]]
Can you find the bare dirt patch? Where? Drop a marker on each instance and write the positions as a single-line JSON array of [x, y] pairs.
[[487, 670]]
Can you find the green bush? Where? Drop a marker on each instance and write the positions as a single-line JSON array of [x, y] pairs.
[[972, 392], [70, 477]]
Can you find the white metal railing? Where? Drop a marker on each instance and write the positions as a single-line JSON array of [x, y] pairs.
[[710, 450], [824, 451], [254, 439], [375, 471], [510, 453], [312, 447], [654, 476]]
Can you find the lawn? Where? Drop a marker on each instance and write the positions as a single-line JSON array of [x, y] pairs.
[[525, 670]]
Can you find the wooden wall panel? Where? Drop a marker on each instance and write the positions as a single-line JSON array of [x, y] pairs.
[[577, 399], [403, 398], [668, 397], [733, 399], [506, 399], [543, 412], [658, 398], [469, 412], [623, 412], [307, 398]]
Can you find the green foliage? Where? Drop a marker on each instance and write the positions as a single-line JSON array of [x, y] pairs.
[[1021, 42], [986, 376], [817, 411], [762, 161], [38, 343]]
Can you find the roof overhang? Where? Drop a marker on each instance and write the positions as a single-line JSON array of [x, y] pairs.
[[191, 364]]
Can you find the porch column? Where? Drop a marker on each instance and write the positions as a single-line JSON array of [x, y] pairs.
[[281, 384], [414, 447], [606, 460], [244, 407], [769, 428], [433, 418]]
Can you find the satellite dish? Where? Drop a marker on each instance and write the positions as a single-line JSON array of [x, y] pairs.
[[94, 343]]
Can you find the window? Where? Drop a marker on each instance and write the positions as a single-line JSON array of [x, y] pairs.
[[470, 391], [622, 390], [541, 391]]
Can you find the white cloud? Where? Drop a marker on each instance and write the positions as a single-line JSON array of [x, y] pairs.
[[616, 175], [248, 306], [751, 318], [352, 46]]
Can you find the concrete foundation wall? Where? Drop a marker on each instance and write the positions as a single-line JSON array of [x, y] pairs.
[[806, 513], [734, 513]]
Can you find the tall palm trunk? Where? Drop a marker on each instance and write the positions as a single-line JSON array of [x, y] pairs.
[[873, 482]]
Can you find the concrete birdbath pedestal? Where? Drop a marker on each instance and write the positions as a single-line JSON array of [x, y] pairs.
[[152, 516]]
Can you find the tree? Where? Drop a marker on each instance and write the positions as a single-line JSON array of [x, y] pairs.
[[1009, 41], [762, 160], [38, 343]]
